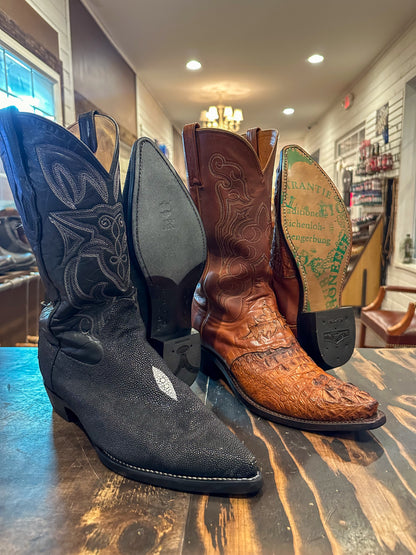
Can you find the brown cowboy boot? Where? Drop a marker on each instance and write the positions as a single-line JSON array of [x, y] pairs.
[[234, 308], [310, 256]]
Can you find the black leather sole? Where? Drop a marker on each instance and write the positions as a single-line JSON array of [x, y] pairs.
[[317, 231], [192, 484], [168, 251], [214, 366]]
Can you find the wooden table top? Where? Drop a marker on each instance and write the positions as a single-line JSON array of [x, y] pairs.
[[322, 493]]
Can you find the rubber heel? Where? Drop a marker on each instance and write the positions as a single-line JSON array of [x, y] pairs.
[[181, 354], [327, 336], [60, 407]]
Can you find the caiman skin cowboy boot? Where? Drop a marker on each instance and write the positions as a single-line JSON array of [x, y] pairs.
[[310, 255], [242, 333], [97, 367], [168, 253]]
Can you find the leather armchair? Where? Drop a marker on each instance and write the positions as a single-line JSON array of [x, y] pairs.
[[396, 328]]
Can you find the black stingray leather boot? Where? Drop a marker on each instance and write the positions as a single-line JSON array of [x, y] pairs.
[[97, 367]]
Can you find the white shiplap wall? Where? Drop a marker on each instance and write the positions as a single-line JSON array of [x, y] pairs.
[[151, 119], [384, 82], [56, 13]]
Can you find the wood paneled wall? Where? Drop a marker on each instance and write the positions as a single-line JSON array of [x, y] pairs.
[[101, 75]]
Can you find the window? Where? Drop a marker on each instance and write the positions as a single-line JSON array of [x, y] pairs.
[[346, 149], [24, 87], [349, 144], [29, 84]]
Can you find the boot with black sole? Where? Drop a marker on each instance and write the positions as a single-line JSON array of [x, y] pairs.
[[167, 247]]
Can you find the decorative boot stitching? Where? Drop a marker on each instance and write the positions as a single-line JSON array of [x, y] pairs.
[[96, 234], [158, 472], [68, 187], [241, 233]]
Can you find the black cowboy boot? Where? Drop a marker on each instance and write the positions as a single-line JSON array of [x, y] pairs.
[[97, 367], [11, 231], [167, 247], [16, 261], [6, 263]]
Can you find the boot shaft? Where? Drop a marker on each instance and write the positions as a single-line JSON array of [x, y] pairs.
[[70, 207], [231, 187], [72, 214], [264, 143]]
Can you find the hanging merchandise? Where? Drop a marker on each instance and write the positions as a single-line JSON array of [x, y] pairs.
[[408, 250], [373, 162], [387, 161], [347, 183], [382, 122]]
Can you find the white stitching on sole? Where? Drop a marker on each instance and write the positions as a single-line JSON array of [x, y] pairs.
[[177, 475]]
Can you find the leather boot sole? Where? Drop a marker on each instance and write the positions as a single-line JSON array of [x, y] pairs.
[[213, 365], [168, 251], [317, 230], [197, 484]]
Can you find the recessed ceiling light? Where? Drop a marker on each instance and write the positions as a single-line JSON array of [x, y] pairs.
[[193, 65], [315, 59], [288, 111]]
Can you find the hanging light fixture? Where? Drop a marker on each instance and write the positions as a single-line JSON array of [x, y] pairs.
[[223, 117]]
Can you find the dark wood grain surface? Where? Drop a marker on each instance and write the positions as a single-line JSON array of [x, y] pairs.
[[323, 493]]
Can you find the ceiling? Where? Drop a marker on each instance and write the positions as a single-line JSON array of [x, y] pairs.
[[253, 52]]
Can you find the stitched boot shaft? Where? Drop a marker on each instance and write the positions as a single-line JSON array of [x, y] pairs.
[[231, 195], [96, 364], [234, 306]]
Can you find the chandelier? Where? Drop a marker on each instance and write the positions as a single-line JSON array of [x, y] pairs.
[[223, 117]]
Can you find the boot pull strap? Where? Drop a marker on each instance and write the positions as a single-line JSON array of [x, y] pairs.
[[98, 143], [87, 131], [190, 146], [253, 139]]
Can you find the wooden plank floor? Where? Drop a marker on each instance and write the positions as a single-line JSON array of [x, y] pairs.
[[323, 493]]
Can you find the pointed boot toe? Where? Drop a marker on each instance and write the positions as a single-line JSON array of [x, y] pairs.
[[168, 251], [152, 428], [284, 385]]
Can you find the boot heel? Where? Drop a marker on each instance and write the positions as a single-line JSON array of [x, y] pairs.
[[328, 336], [60, 407], [181, 354], [209, 365]]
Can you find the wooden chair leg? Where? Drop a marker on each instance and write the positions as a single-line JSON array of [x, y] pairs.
[[361, 342]]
